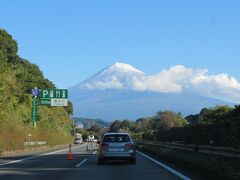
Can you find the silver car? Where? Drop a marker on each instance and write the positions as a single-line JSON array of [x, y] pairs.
[[117, 146]]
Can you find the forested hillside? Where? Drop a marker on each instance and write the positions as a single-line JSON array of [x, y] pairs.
[[17, 75], [88, 123]]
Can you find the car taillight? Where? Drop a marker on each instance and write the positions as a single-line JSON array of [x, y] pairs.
[[128, 145]]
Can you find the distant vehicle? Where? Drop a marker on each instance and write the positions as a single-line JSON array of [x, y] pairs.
[[117, 146], [90, 138], [77, 138], [98, 141]]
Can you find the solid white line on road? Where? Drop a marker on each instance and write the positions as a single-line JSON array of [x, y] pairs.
[[54, 152], [165, 167], [79, 164], [95, 152], [33, 157]]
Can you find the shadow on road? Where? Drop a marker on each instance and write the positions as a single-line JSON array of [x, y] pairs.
[[116, 163], [53, 166], [19, 157]]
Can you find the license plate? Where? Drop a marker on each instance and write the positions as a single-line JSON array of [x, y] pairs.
[[116, 149]]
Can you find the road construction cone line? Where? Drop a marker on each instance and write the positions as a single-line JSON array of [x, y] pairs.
[[70, 157]]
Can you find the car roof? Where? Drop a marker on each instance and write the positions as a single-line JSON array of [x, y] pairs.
[[116, 133]]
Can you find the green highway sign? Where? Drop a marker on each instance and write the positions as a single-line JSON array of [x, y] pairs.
[[54, 93], [54, 97], [34, 109], [47, 97]]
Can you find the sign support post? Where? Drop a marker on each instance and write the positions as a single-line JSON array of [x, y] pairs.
[[34, 111], [35, 93]]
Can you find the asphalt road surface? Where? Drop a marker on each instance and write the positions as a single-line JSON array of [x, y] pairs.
[[54, 165]]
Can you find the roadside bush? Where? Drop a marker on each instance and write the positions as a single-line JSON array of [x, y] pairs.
[[137, 136], [148, 135], [201, 134], [215, 167]]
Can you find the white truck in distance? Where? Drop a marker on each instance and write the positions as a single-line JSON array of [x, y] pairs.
[[77, 138]]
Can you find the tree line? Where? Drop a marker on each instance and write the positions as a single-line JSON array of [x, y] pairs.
[[17, 75], [216, 126]]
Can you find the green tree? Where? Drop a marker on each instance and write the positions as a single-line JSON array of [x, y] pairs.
[[94, 129], [214, 115], [167, 120], [17, 75], [125, 124], [69, 108], [144, 122], [193, 119], [115, 126]]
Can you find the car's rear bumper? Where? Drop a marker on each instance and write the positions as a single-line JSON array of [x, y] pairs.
[[117, 155]]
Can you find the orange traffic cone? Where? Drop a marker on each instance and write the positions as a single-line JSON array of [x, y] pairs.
[[70, 157]]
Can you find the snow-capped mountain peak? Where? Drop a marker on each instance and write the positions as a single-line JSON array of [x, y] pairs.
[[116, 76], [122, 67], [121, 91]]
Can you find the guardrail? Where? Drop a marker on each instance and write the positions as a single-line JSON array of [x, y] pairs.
[[33, 143], [222, 151]]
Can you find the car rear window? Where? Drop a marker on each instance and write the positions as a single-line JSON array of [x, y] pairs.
[[116, 138]]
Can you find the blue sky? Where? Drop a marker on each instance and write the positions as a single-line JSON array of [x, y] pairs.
[[71, 40]]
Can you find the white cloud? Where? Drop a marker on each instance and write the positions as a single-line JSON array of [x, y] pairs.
[[220, 86], [165, 81], [176, 79], [109, 83], [181, 79]]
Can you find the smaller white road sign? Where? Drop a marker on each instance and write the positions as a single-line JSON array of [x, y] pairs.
[[59, 102]]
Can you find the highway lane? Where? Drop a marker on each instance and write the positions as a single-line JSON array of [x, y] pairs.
[[49, 166], [142, 170], [83, 166]]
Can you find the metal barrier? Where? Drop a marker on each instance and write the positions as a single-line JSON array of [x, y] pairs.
[[33, 143], [222, 151]]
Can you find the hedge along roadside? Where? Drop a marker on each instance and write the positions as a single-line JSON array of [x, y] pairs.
[[209, 165], [201, 134]]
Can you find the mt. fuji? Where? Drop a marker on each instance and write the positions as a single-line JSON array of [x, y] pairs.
[[117, 76], [121, 91]]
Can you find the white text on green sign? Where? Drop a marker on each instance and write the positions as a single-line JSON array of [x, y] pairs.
[[53, 102], [45, 101], [34, 109], [54, 93]]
